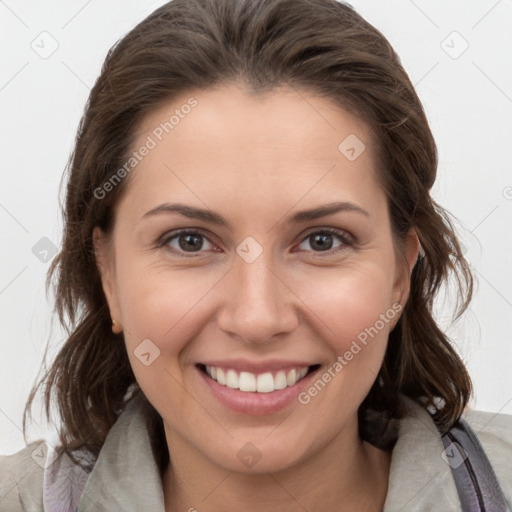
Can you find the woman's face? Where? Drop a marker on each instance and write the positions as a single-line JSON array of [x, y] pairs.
[[254, 286]]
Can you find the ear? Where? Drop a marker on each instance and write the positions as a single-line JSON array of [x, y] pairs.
[[106, 266], [410, 249]]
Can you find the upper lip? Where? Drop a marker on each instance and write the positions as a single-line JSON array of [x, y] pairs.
[[243, 365]]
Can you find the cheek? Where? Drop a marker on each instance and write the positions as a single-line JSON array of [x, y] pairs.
[[162, 305], [355, 315], [159, 320], [348, 302], [171, 307]]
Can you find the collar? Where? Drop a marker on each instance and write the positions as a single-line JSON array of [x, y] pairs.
[[126, 477], [419, 478]]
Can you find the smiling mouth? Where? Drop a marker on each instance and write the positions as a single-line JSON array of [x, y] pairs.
[[257, 383]]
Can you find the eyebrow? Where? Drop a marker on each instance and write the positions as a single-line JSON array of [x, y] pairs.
[[214, 218]]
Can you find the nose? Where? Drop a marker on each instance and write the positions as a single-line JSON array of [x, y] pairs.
[[259, 304]]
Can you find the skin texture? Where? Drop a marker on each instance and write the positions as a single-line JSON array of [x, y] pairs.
[[256, 160]]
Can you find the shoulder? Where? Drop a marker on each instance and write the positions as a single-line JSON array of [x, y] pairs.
[[41, 476], [421, 477], [494, 432], [21, 479], [491, 425]]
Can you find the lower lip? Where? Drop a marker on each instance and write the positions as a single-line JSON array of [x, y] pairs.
[[253, 403]]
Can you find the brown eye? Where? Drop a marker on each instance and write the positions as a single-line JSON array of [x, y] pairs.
[[186, 242], [324, 241]]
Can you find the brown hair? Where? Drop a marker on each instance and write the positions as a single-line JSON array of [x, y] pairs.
[[320, 45]]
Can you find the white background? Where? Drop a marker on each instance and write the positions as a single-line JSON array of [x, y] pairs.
[[468, 101]]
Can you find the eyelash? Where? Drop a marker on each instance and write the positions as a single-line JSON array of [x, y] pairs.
[[344, 237]]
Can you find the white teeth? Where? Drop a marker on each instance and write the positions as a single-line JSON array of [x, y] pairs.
[[232, 379], [280, 379], [262, 383], [291, 378], [265, 383], [221, 378], [247, 382]]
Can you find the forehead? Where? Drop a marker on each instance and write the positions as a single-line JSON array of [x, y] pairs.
[[275, 146], [230, 116]]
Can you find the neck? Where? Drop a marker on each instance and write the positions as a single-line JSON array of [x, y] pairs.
[[347, 474]]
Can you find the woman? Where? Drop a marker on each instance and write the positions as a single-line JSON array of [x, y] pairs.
[[248, 268]]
